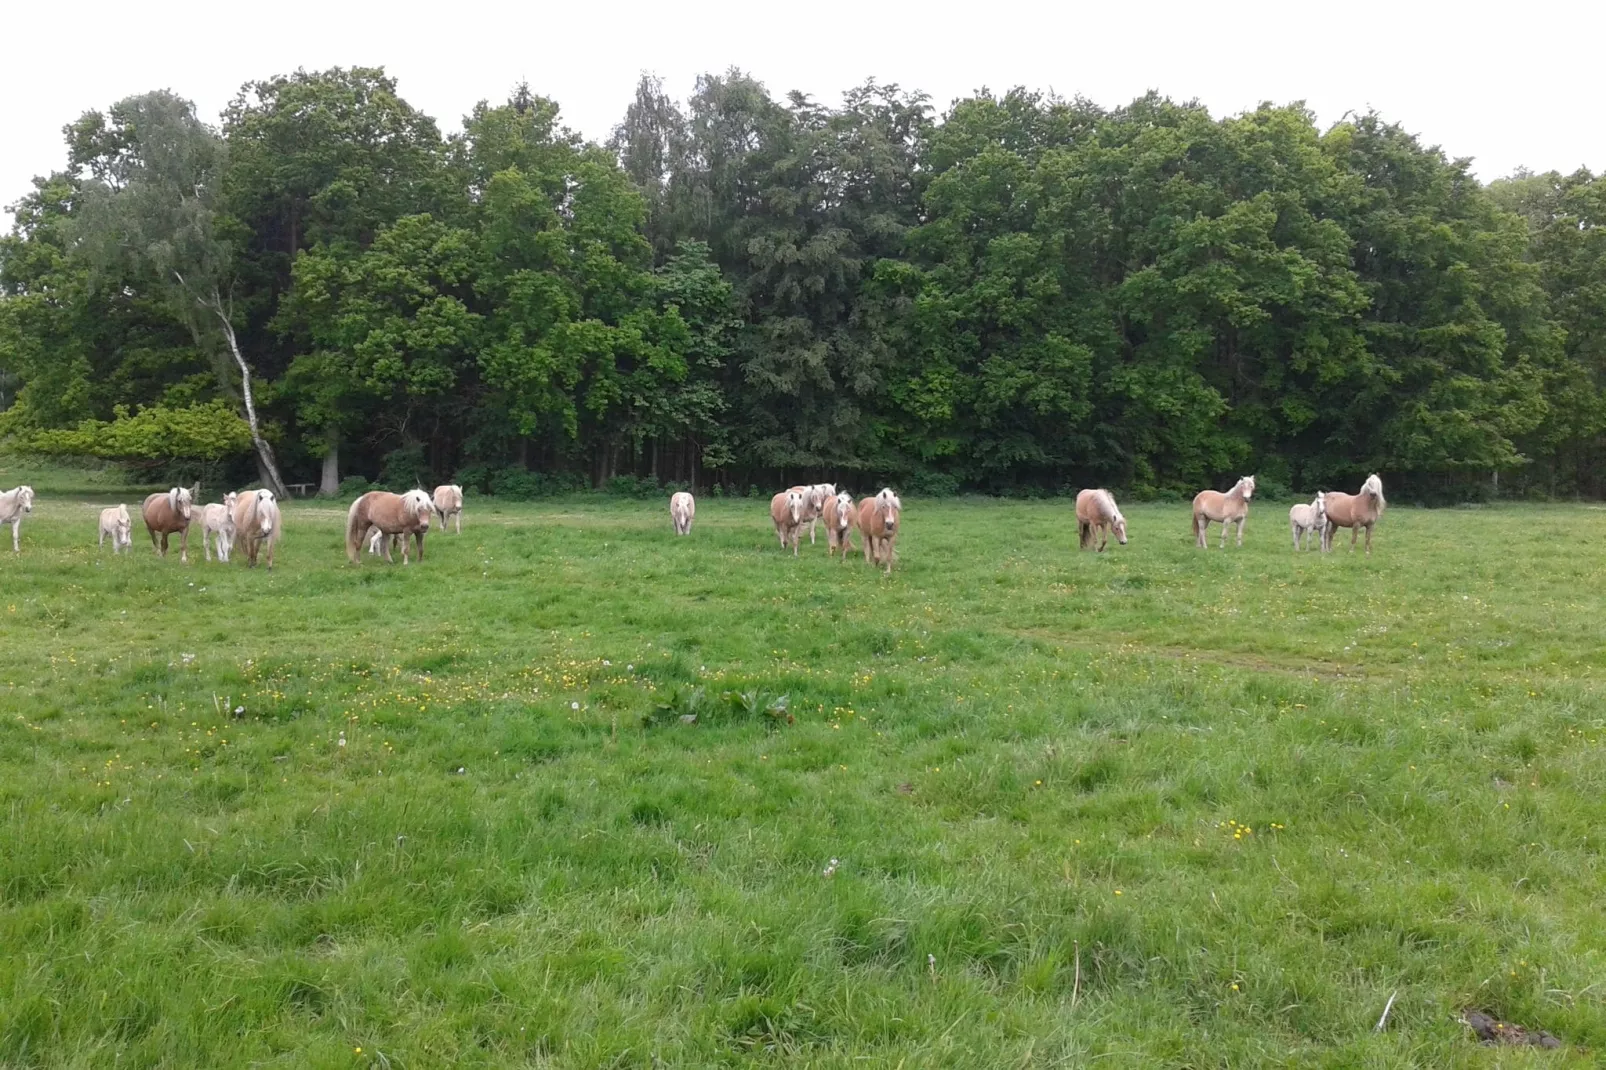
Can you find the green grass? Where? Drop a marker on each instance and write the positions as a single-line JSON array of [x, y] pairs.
[[1035, 767]]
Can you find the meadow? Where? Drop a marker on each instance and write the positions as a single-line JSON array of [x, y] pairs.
[[576, 793]]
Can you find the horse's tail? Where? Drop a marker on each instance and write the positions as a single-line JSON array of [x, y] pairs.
[[355, 526]]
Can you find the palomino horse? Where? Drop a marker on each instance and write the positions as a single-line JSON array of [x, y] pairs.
[[786, 510], [165, 514], [14, 505], [256, 523], [840, 520], [1354, 511], [217, 525], [1303, 520], [116, 523], [1096, 514], [393, 514], [814, 497], [879, 521], [448, 502], [682, 511], [1224, 509]]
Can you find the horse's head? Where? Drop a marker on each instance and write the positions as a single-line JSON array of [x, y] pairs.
[[1374, 487], [1248, 484], [457, 496], [794, 506], [890, 507], [1320, 505], [25, 498], [178, 499], [1117, 523], [229, 500], [417, 503], [815, 496], [844, 510]]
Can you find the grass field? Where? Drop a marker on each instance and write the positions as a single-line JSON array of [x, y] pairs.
[[1156, 807]]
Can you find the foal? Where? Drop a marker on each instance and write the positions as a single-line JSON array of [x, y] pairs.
[[1307, 519], [14, 505], [116, 523], [1224, 509]]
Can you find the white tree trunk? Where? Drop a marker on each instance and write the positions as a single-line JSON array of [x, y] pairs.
[[265, 459], [329, 485]]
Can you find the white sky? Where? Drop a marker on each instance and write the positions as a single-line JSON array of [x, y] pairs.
[[1513, 85]]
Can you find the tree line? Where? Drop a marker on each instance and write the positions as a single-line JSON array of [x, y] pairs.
[[1021, 294]]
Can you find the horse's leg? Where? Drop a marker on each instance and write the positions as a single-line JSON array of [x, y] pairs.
[[1354, 533], [1104, 536], [1368, 539], [1241, 521], [184, 545], [420, 547], [16, 542]]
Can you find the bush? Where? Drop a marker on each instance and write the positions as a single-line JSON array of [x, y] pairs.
[[521, 485], [634, 487], [932, 485], [405, 467], [353, 486]]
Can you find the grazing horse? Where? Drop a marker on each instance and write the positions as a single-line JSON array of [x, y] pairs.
[[116, 523], [393, 514], [1354, 511], [878, 525], [682, 511], [448, 502], [217, 524], [256, 521], [1303, 520], [786, 510], [840, 520], [1224, 509], [1096, 514], [14, 505], [165, 514]]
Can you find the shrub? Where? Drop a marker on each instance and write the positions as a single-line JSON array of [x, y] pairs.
[[353, 486], [932, 485]]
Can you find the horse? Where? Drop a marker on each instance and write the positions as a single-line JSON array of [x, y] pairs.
[[814, 496], [1096, 514], [393, 514], [256, 521], [14, 505], [879, 519], [1225, 509], [786, 510], [839, 524], [217, 523], [682, 511], [116, 523], [1303, 520], [165, 514], [448, 503], [1354, 511]]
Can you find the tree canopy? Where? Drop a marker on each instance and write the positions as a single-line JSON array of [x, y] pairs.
[[1020, 294]]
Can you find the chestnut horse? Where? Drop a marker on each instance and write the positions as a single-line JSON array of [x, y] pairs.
[[256, 521], [1354, 511], [393, 514], [787, 511], [165, 514], [1097, 513], [448, 501], [879, 520], [1225, 509], [840, 521], [14, 505]]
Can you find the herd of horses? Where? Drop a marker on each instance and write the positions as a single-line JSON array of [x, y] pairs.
[[383, 520]]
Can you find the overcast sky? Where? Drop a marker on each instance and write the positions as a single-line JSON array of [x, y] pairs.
[[1518, 86]]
